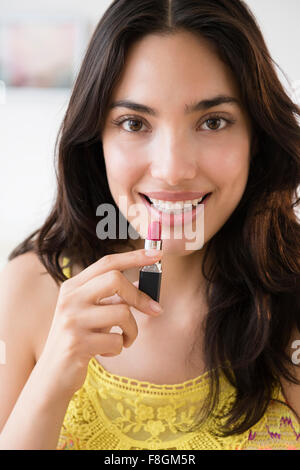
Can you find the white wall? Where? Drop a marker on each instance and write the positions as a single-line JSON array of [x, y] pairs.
[[279, 21], [30, 118], [29, 124], [89, 9]]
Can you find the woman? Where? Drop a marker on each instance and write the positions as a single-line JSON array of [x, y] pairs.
[[174, 99]]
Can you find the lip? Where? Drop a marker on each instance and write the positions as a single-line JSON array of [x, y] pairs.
[[173, 219], [175, 196]]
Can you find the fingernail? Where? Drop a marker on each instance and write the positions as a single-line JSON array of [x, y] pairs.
[[155, 306], [152, 253]]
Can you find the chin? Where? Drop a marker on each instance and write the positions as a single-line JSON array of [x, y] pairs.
[[178, 247]]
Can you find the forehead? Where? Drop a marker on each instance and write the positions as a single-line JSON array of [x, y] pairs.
[[169, 69]]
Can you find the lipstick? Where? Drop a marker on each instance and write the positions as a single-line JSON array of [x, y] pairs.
[[150, 276]]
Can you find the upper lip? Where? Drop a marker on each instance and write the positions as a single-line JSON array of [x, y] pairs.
[[175, 196]]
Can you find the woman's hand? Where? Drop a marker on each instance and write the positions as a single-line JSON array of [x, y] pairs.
[[81, 324]]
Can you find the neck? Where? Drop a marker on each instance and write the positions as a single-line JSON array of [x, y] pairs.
[[182, 275]]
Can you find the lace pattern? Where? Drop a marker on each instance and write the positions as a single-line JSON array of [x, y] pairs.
[[109, 412]]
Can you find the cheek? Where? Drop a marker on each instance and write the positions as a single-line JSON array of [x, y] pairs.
[[234, 166], [122, 164], [229, 164]]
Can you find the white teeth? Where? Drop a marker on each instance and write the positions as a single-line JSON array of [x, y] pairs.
[[176, 204], [195, 201], [177, 207]]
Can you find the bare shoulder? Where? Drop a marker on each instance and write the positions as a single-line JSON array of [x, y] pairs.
[[26, 275], [27, 301], [28, 296]]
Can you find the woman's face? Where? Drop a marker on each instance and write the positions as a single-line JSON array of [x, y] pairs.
[[174, 148]]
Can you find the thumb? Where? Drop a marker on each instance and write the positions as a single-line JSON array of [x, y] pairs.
[[136, 283]]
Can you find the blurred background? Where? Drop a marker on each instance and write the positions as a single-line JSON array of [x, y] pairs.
[[42, 44]]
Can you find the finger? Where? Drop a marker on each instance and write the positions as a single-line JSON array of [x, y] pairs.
[[102, 319], [111, 283], [118, 261], [112, 300], [110, 344], [115, 299]]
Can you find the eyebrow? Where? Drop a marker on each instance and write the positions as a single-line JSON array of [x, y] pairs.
[[198, 106]]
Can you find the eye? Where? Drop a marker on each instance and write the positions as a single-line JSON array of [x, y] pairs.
[[134, 125], [213, 123]]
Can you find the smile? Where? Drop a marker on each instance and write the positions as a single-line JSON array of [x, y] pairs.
[[174, 213], [175, 207]]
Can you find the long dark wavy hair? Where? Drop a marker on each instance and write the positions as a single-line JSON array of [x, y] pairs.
[[253, 287]]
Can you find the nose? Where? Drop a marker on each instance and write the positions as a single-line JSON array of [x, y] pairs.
[[173, 161]]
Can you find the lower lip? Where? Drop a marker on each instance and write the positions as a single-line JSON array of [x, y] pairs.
[[174, 219]]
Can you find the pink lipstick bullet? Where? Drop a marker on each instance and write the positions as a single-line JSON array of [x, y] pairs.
[[150, 276]]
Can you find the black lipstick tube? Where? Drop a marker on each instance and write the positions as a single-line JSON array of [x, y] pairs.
[[150, 276]]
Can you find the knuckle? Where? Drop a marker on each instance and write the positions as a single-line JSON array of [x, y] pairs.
[[125, 312], [106, 260], [133, 254], [64, 301], [115, 276], [65, 286], [67, 321], [64, 294]]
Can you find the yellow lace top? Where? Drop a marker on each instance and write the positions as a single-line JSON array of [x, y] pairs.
[[111, 412]]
